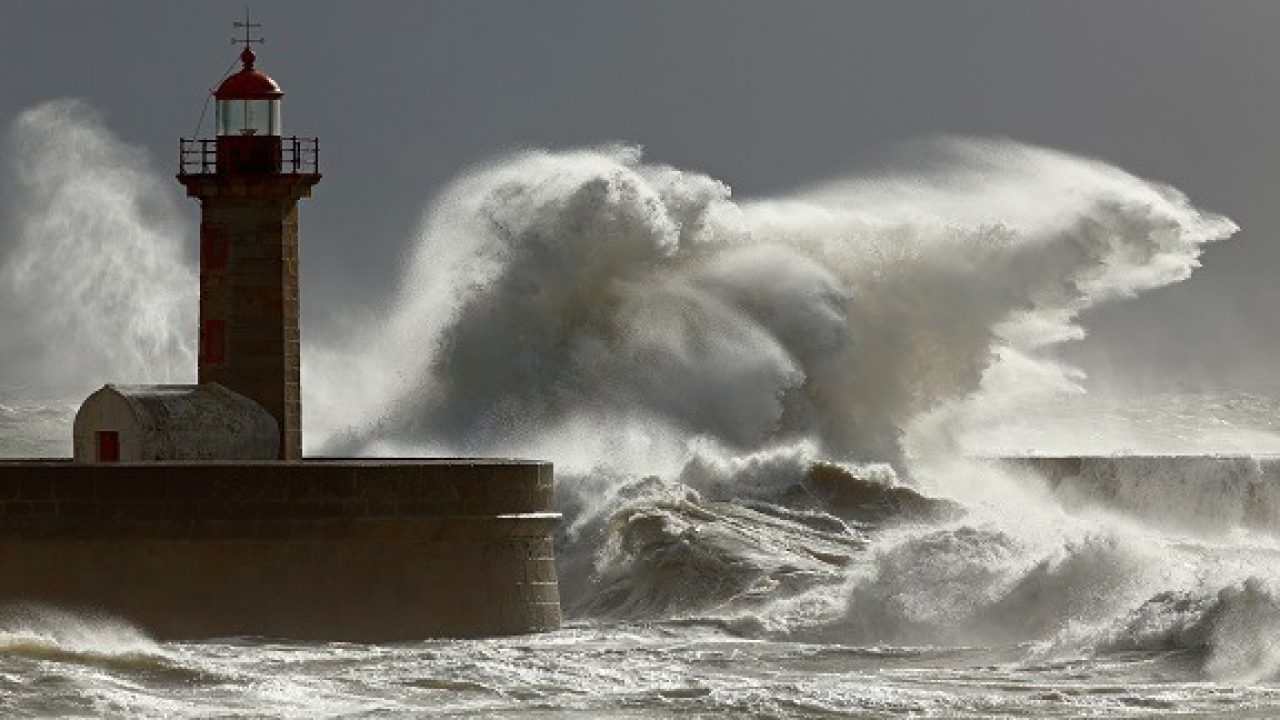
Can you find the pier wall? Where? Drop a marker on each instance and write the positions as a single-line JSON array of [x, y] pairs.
[[362, 550], [1198, 494]]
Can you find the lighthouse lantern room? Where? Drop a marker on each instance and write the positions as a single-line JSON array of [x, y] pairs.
[[248, 120], [248, 103]]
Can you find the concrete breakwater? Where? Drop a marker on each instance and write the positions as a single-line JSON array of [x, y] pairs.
[[1197, 493], [361, 550]]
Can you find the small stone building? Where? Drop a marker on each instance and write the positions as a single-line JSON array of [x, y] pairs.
[[189, 423]]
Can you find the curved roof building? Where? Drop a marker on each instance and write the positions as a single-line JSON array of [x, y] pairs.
[[157, 423]]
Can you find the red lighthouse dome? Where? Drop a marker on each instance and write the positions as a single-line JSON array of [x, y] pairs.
[[249, 83], [248, 102]]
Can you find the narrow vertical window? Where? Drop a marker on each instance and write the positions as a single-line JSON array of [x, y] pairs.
[[213, 342], [213, 246]]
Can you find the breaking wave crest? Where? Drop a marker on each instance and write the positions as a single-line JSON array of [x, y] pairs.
[[1234, 627], [551, 292], [44, 633], [755, 406]]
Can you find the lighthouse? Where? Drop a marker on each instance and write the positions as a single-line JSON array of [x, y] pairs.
[[249, 179]]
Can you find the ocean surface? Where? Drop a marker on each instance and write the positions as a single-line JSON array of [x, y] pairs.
[[778, 585]]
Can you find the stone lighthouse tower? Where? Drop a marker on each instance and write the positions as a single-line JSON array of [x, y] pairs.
[[249, 180]]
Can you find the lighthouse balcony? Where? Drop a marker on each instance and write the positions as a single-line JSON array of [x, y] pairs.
[[249, 154]]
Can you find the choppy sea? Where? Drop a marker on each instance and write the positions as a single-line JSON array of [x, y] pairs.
[[777, 585]]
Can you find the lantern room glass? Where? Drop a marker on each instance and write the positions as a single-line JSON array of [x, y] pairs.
[[248, 117]]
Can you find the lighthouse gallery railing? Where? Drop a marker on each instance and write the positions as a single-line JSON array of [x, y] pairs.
[[298, 156]]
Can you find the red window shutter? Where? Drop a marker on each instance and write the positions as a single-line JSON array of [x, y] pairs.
[[213, 342], [213, 246], [108, 446]]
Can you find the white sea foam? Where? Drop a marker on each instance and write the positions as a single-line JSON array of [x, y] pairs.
[[550, 287], [49, 633]]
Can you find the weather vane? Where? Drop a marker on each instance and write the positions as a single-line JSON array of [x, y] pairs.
[[248, 26]]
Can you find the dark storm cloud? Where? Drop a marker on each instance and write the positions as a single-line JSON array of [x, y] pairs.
[[766, 96]]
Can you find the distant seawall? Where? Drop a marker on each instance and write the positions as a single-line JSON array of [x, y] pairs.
[[364, 550], [1198, 493]]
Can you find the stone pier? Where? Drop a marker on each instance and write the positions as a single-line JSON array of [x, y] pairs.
[[359, 550]]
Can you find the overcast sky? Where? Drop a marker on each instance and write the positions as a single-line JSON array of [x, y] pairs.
[[766, 96]]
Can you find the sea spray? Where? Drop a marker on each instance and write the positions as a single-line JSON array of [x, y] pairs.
[[96, 277], [43, 632], [547, 287], [688, 360]]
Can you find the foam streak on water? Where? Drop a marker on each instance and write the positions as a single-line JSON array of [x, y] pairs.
[[624, 671]]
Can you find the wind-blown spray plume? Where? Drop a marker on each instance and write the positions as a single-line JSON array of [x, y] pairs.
[[95, 285], [704, 370], [591, 290]]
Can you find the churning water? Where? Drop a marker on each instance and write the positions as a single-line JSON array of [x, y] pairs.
[[768, 419]]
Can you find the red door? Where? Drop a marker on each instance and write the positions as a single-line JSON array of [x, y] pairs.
[[108, 446]]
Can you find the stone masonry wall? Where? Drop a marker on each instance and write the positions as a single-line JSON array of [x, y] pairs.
[[323, 550], [249, 324]]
